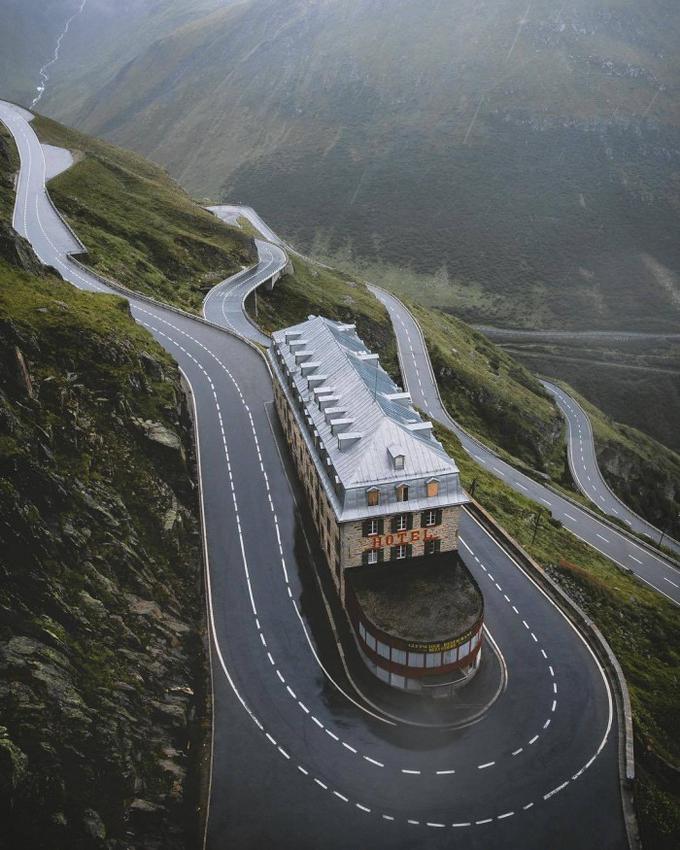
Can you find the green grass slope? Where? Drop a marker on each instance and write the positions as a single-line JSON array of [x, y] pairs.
[[139, 227], [492, 395], [9, 165]]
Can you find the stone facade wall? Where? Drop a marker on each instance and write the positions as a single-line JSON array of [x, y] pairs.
[[322, 512], [354, 543]]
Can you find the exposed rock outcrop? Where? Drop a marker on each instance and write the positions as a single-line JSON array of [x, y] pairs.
[[102, 667]]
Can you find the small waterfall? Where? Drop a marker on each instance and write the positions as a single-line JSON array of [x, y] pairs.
[[44, 76]]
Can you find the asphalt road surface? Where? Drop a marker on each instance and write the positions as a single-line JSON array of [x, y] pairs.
[[586, 471], [225, 303], [300, 760]]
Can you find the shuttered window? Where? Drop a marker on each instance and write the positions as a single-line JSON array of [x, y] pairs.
[[372, 556], [371, 527]]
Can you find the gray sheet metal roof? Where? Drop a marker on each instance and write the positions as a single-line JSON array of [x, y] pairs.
[[363, 391]]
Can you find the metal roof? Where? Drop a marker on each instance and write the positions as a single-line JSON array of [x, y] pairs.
[[363, 419]]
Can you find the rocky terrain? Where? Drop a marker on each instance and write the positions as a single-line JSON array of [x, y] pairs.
[[102, 659]]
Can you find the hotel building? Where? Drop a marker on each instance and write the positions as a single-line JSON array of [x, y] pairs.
[[386, 501]]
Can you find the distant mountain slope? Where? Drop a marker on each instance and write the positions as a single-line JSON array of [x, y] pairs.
[[28, 32], [528, 151], [100, 40]]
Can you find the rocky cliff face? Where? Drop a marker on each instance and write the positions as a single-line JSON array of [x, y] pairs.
[[650, 488], [102, 664]]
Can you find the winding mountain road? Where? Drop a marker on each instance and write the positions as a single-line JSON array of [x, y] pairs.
[[586, 470], [225, 303], [300, 759]]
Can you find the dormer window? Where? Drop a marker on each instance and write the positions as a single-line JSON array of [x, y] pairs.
[[402, 493], [373, 497], [432, 488], [398, 456]]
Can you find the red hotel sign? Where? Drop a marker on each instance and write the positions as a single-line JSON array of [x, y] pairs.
[[399, 538]]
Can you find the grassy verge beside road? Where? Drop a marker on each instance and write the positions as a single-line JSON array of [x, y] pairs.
[[493, 396]]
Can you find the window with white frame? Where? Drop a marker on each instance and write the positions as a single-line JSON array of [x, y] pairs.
[[373, 556], [430, 518], [431, 547], [400, 552], [402, 522], [372, 527]]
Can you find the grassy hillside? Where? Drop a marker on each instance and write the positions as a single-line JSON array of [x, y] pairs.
[[9, 164], [492, 395], [642, 628], [139, 227]]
